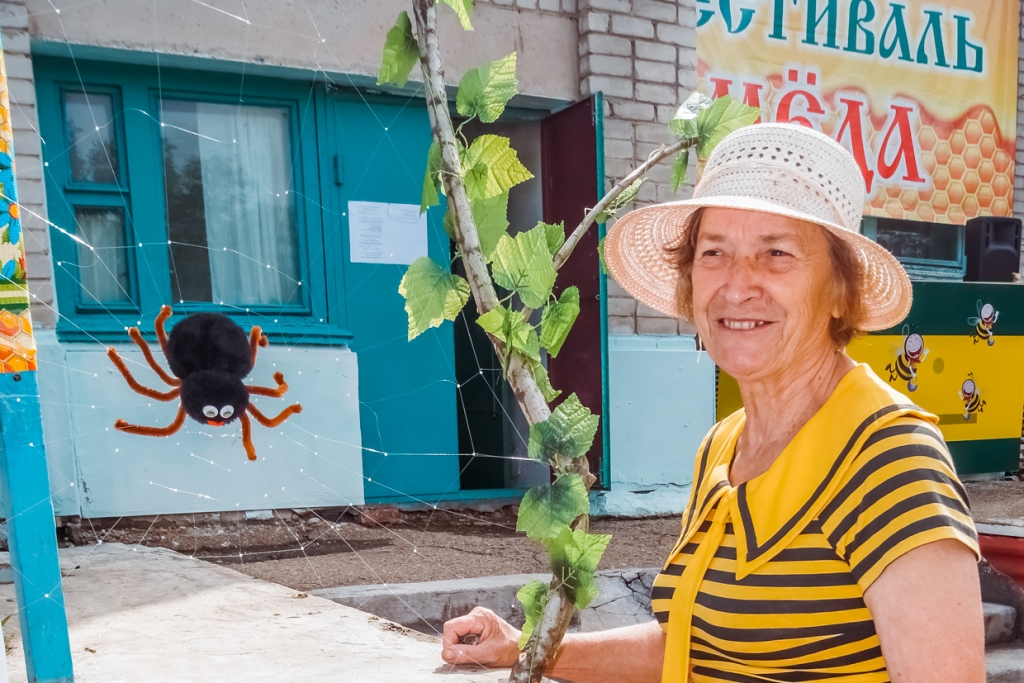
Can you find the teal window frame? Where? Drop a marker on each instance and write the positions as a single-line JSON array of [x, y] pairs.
[[318, 318]]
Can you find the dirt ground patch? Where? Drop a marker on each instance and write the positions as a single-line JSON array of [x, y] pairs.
[[318, 552], [327, 549], [997, 501]]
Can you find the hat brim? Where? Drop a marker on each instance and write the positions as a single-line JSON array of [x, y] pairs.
[[635, 252]]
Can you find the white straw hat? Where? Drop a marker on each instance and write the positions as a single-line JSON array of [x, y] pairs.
[[776, 168]]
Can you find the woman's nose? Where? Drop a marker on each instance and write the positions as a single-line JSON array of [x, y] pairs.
[[742, 281]]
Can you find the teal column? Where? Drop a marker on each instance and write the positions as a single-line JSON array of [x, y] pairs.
[[24, 482], [31, 534]]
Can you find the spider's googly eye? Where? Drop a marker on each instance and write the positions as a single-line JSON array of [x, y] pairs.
[[227, 411], [210, 411]]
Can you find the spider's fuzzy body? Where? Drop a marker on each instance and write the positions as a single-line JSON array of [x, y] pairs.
[[210, 356]]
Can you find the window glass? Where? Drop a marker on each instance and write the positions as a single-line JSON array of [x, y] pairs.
[[92, 138], [103, 268], [917, 240], [230, 209]]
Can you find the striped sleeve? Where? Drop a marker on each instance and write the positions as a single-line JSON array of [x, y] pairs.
[[901, 493]]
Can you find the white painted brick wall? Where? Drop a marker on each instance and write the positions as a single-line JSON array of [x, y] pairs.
[[646, 48], [28, 159]]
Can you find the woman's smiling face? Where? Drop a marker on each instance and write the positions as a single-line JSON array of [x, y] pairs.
[[762, 292]]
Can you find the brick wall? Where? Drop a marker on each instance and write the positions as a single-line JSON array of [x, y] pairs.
[[560, 6], [28, 159], [642, 54]]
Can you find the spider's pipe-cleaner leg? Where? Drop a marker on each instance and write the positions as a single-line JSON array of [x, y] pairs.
[[141, 430], [256, 340], [137, 337], [250, 450], [273, 421], [139, 389], [158, 325], [282, 387]]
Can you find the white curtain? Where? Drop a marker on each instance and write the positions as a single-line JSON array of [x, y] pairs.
[[245, 155]]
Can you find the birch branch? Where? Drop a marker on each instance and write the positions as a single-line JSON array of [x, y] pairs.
[[520, 375], [653, 160]]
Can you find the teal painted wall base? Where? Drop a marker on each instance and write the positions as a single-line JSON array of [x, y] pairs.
[[314, 459], [986, 455], [662, 403]]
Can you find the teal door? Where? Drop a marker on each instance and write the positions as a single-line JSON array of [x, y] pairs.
[[378, 149]]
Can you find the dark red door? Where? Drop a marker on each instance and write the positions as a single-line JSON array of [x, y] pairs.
[[569, 174]]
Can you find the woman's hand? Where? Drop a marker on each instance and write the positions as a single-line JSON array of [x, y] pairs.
[[497, 642]]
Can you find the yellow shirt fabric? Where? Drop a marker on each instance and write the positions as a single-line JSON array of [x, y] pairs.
[[767, 580]]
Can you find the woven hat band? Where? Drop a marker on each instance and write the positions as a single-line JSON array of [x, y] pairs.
[[777, 182]]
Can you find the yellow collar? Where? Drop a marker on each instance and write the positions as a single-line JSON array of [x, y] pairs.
[[769, 511]]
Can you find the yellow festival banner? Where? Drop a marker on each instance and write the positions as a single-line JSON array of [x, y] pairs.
[[924, 94]]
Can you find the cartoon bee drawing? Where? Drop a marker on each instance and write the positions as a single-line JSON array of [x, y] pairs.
[[908, 358], [970, 394], [983, 324]]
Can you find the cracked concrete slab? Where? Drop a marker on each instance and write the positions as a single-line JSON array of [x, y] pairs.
[[624, 599]]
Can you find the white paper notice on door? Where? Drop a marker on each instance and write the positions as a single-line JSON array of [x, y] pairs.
[[386, 233]]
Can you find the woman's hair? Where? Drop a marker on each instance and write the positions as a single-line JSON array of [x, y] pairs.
[[846, 282]]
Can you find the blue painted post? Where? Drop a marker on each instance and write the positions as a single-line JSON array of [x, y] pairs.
[[31, 534], [24, 482]]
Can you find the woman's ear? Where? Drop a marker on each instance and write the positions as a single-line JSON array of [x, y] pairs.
[[838, 299]]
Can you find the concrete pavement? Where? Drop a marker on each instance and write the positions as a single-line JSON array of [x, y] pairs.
[[148, 615]]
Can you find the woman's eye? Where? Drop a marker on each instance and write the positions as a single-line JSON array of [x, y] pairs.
[[712, 252], [209, 411], [227, 411], [778, 252]]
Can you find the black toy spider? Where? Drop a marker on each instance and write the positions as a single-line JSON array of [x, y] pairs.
[[210, 356]]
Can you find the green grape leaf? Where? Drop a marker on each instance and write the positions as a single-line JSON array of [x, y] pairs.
[[448, 223], [512, 328], [401, 52], [523, 264], [555, 235], [432, 295], [557, 319], [463, 8], [540, 373], [492, 167], [485, 90], [684, 121], [534, 598], [546, 509], [724, 116], [491, 218], [567, 433], [625, 197], [575, 555], [431, 178], [679, 165]]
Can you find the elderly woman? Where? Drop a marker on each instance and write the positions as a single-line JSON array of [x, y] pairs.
[[827, 537]]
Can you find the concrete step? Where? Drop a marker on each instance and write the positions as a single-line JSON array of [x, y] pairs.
[[624, 599], [1000, 623], [1005, 663]]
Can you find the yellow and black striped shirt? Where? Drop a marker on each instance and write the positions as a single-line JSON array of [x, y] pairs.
[[782, 596]]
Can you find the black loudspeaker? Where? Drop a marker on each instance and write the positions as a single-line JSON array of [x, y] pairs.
[[992, 249]]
